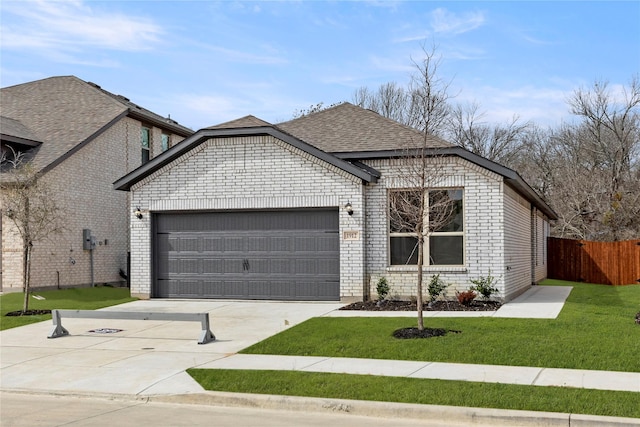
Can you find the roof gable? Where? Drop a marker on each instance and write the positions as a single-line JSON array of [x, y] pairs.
[[243, 122], [348, 128], [126, 182]]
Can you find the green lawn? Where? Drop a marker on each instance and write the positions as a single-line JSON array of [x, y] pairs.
[[412, 390], [595, 330], [75, 298]]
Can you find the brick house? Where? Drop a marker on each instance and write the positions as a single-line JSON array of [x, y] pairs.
[[81, 138], [300, 211]]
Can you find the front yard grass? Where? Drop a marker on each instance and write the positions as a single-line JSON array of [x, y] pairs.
[[69, 299], [423, 391], [595, 331]]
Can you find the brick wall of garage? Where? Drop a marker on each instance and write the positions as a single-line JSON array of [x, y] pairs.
[[483, 223], [259, 172]]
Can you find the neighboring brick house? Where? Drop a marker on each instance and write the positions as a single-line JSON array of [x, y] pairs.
[[81, 138], [299, 211]]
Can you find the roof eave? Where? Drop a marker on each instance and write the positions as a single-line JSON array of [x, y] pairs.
[[164, 124], [17, 140]]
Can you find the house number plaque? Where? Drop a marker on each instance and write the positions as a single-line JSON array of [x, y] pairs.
[[351, 235]]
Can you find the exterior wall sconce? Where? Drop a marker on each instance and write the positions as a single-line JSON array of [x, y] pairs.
[[138, 213], [348, 208]]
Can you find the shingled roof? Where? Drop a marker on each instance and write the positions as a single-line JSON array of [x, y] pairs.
[[348, 128], [65, 112], [14, 131]]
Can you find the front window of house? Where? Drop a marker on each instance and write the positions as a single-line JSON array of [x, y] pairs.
[[440, 217], [145, 142]]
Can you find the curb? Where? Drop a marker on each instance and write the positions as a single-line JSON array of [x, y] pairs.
[[450, 415]]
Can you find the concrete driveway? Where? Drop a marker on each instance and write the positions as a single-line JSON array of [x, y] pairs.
[[146, 357]]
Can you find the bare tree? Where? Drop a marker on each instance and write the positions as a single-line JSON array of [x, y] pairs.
[[421, 206], [312, 109], [423, 105], [390, 100], [30, 205], [501, 143], [606, 143], [429, 107]]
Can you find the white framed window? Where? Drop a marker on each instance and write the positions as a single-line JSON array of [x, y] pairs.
[[443, 216]]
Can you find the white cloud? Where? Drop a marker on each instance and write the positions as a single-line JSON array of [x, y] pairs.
[[544, 106], [443, 21], [73, 26]]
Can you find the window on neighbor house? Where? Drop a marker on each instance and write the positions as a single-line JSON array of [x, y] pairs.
[[145, 142], [443, 216], [165, 142]]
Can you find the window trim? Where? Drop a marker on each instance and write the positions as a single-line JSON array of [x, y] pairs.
[[162, 141], [427, 243], [144, 149]]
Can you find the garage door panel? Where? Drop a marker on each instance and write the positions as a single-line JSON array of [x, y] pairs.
[[234, 244], [212, 244], [328, 266], [212, 265], [327, 243], [282, 255]]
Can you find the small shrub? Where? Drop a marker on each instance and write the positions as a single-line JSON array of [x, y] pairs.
[[436, 287], [382, 287], [485, 285], [466, 297]]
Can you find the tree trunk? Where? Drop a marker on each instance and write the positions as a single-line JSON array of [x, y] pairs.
[[419, 297], [26, 280]]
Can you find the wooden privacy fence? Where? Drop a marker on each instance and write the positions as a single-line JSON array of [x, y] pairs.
[[610, 263]]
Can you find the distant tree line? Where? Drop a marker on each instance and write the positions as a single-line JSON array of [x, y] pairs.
[[587, 170]]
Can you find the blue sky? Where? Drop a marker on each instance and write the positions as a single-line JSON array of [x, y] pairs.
[[207, 62]]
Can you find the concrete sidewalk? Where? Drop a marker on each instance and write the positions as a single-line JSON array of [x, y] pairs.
[[575, 378]]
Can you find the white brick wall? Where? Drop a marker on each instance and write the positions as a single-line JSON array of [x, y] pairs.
[[249, 173], [517, 241], [484, 219], [83, 184]]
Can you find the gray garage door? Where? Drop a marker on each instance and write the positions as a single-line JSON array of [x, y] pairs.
[[280, 255]]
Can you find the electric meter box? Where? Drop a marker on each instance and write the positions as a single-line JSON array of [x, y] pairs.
[[86, 239]]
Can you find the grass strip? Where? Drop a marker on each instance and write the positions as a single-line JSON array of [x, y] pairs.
[[595, 330], [68, 299], [422, 391]]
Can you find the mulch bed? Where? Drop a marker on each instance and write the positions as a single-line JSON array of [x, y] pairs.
[[395, 305], [28, 313], [410, 333]]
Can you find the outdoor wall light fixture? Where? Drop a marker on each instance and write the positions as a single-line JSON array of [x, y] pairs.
[[348, 208], [138, 213]]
